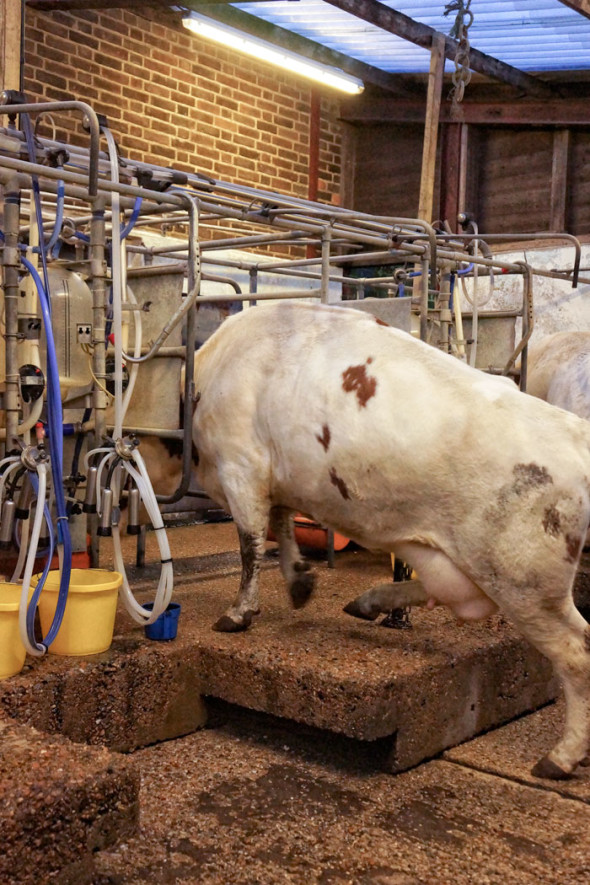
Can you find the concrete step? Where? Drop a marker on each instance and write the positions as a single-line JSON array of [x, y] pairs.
[[60, 803], [423, 690]]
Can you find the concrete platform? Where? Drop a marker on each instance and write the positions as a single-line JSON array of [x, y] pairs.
[[421, 690]]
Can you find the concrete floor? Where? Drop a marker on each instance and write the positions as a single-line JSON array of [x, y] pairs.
[[256, 797], [257, 802]]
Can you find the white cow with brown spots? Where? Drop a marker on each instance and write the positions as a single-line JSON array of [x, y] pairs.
[[484, 490], [558, 371]]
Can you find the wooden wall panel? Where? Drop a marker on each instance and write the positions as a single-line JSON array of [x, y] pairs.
[[514, 180], [388, 161], [578, 204]]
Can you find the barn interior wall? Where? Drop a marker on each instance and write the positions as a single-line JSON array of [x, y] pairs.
[[508, 174], [578, 203], [386, 169], [173, 100]]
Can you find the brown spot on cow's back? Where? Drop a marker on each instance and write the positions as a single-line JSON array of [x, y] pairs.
[[356, 380], [339, 483], [530, 476], [381, 322], [325, 438]]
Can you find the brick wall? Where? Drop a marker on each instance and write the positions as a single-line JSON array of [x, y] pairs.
[[174, 100]]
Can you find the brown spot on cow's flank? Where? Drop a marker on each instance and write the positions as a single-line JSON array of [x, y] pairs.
[[356, 380], [552, 521], [324, 439], [572, 543], [339, 483], [530, 476]]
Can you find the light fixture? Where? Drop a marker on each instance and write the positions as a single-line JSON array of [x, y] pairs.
[[267, 52]]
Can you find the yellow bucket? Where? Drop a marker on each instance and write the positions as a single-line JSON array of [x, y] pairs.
[[12, 650], [89, 617]]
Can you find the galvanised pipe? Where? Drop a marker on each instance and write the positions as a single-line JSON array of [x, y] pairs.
[[11, 263], [194, 286], [98, 276], [325, 278], [526, 238], [90, 118]]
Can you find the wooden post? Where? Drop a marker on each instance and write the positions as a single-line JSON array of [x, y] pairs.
[[10, 40], [561, 143], [433, 99], [450, 176]]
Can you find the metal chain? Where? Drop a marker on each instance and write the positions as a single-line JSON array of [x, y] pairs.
[[463, 21]]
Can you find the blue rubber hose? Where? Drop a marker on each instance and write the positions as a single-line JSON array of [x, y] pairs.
[[54, 416]]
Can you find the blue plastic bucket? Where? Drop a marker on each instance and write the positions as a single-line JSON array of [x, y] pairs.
[[165, 626]]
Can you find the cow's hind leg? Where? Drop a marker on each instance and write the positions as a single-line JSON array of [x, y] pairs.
[[297, 573], [246, 605], [385, 598], [560, 632]]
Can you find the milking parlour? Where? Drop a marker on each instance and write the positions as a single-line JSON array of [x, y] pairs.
[[292, 535]]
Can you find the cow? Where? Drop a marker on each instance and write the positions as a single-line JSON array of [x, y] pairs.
[[558, 371], [482, 489]]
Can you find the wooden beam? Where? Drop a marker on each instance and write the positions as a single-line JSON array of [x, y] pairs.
[[74, 5], [559, 174], [564, 112], [433, 100], [581, 6], [10, 42], [402, 26]]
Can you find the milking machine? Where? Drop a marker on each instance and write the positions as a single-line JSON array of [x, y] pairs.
[[107, 265]]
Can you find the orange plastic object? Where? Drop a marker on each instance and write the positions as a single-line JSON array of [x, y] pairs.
[[309, 533]]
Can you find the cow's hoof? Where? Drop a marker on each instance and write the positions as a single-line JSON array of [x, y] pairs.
[[547, 769], [302, 586], [225, 624], [353, 608]]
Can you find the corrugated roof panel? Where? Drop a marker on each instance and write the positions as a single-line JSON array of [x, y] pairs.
[[544, 35]]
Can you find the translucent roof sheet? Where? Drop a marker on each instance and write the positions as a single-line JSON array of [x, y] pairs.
[[532, 35]]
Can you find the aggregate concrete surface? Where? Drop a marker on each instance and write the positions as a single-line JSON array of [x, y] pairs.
[[263, 804], [251, 798]]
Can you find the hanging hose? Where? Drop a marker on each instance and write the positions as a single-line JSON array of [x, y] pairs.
[[133, 371], [122, 455], [166, 582], [59, 215], [27, 608], [455, 307], [125, 231], [132, 462], [54, 414]]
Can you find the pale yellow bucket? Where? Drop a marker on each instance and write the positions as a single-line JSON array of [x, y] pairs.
[[12, 650], [89, 617]]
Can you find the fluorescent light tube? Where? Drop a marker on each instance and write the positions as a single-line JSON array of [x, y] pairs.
[[266, 52]]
